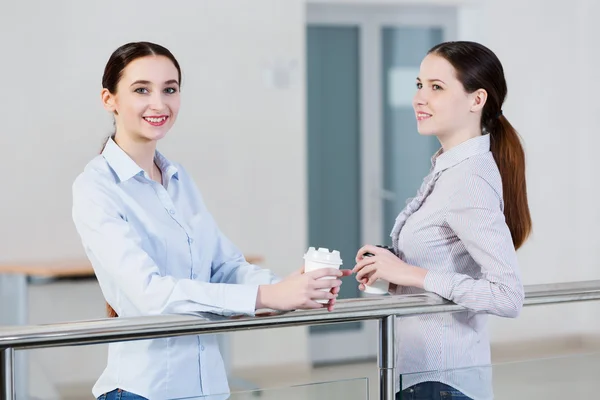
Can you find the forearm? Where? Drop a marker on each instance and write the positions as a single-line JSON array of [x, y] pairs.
[[502, 299], [410, 275]]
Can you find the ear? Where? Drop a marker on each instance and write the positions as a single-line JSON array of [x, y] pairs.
[[478, 97], [108, 101]]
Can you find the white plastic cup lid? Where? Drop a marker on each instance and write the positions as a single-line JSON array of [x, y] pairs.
[[322, 255]]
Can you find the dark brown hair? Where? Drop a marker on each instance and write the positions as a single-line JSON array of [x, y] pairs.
[[477, 67], [127, 53], [113, 72]]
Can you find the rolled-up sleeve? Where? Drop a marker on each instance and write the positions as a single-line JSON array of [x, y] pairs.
[[476, 217], [126, 272]]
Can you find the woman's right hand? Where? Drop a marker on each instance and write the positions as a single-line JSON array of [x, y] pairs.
[[300, 290]]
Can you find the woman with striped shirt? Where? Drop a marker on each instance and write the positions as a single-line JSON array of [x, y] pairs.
[[458, 237]]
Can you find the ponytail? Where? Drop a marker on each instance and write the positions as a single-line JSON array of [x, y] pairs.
[[509, 156], [477, 67]]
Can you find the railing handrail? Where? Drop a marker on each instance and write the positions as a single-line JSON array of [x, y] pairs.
[[385, 309], [122, 329]]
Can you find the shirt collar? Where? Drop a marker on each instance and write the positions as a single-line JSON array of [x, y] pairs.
[[126, 168], [168, 169], [442, 160]]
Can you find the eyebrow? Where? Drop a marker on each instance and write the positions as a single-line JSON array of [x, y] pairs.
[[432, 80], [143, 82]]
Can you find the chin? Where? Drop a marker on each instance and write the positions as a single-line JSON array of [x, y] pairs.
[[426, 132], [156, 134]]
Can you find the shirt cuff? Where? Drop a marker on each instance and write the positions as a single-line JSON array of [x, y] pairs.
[[241, 298]]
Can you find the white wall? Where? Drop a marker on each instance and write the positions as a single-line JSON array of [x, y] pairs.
[[545, 47], [588, 105]]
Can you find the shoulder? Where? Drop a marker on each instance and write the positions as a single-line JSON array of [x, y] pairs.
[[476, 181], [97, 182], [480, 171]]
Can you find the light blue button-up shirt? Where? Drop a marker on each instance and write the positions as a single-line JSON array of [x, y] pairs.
[[155, 250]]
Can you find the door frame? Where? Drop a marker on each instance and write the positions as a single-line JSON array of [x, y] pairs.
[[354, 345]]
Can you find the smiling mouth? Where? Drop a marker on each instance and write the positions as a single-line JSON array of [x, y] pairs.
[[421, 116], [156, 121]]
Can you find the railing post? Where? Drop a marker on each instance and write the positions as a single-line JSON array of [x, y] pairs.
[[7, 377], [387, 358]]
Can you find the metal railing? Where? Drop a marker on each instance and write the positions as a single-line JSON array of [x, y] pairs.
[[385, 309]]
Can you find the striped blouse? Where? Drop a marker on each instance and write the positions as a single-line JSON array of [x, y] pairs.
[[455, 228]]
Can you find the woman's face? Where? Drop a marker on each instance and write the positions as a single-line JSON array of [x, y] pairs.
[[442, 106], [147, 99]]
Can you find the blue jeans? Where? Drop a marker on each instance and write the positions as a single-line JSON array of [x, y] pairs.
[[119, 394], [431, 391]]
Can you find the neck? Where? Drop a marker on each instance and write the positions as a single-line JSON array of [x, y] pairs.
[[453, 139], [141, 151]]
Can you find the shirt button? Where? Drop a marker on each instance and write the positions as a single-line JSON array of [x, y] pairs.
[[202, 348], [194, 276], [191, 240], [172, 212]]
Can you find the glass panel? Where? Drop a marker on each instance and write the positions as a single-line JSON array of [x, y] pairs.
[[352, 389], [406, 154], [333, 147], [557, 378]]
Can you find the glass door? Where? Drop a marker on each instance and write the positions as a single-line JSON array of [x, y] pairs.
[[365, 156]]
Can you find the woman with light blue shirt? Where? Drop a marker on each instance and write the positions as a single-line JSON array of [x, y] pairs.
[[458, 237], [156, 249]]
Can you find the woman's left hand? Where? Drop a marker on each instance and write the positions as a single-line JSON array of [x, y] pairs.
[[387, 266]]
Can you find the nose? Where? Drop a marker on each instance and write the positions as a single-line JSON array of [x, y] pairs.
[[157, 102], [419, 99]]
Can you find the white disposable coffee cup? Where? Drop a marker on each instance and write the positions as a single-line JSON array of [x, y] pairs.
[[315, 259], [379, 287]]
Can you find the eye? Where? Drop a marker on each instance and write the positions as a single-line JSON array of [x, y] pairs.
[[141, 90], [419, 85], [170, 90], [436, 87]]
